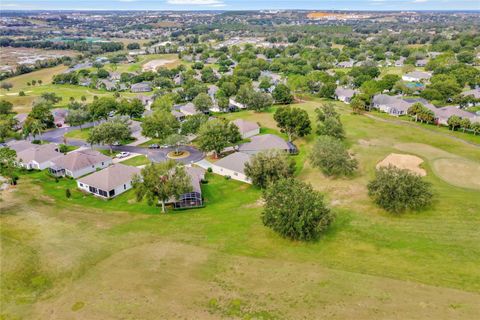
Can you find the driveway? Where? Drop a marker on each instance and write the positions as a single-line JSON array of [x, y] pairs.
[[156, 155]]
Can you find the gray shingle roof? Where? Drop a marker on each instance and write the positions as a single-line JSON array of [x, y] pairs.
[[245, 126], [80, 159], [111, 177], [235, 161], [264, 142]]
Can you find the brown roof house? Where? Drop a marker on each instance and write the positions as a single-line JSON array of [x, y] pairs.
[[110, 182], [247, 128], [79, 163], [39, 157]]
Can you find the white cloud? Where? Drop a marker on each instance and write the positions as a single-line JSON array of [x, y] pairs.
[[419, 1], [211, 3]]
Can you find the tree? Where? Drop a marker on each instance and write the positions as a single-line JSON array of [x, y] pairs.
[[358, 105], [160, 182], [42, 113], [244, 94], [454, 122], [51, 97], [77, 117], [282, 94], [7, 164], [259, 101], [269, 166], [193, 123], [133, 46], [100, 108], [6, 107], [397, 190], [465, 124], [164, 102], [295, 211], [415, 109], [159, 125], [217, 134], [327, 110], [331, 127], [133, 108], [34, 127], [331, 156], [102, 73], [6, 85], [202, 102], [109, 132], [176, 140], [293, 121]]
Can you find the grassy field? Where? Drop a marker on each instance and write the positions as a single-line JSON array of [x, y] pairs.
[[92, 259], [137, 161]]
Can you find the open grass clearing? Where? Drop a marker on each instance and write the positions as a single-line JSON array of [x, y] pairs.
[[136, 161]]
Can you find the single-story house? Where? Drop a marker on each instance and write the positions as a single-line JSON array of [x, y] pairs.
[[146, 101], [233, 166], [39, 157], [233, 104], [247, 128], [475, 93], [400, 62], [20, 117], [20, 145], [417, 76], [59, 116], [192, 199], [79, 163], [141, 87], [393, 105], [178, 115], [188, 109], [266, 142], [346, 64], [344, 94], [109, 182], [421, 62], [443, 114]]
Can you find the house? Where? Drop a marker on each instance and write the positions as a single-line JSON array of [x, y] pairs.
[[178, 115], [393, 105], [421, 63], [108, 85], [266, 142], [59, 116], [247, 128], [443, 114], [141, 87], [233, 104], [114, 76], [188, 109], [475, 93], [20, 117], [38, 157], [233, 166], [178, 80], [417, 76], [79, 163], [344, 94], [192, 199], [400, 62], [275, 78], [346, 64], [109, 182], [146, 101], [20, 145]]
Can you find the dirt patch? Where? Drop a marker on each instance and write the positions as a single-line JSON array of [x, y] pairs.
[[154, 64], [459, 172], [403, 161]]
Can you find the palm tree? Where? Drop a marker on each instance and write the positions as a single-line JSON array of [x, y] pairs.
[[36, 127]]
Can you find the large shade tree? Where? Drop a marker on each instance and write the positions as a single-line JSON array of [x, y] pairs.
[[295, 211], [159, 182], [331, 156], [268, 167], [293, 121], [397, 190], [217, 134]]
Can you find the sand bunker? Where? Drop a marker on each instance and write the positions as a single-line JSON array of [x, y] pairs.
[[154, 64], [403, 161]]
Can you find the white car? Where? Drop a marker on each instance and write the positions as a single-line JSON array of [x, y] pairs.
[[123, 154]]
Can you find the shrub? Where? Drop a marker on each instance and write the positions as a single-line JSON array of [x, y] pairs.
[[68, 194], [295, 210], [397, 190], [331, 156]]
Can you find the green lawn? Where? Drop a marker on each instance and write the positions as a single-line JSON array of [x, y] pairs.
[[220, 261], [79, 134], [137, 161]]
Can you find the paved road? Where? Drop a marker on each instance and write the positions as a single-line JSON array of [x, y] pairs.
[[156, 155]]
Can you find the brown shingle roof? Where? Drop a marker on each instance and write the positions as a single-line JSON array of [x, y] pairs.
[[80, 159]]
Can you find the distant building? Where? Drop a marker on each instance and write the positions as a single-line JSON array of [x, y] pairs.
[[344, 94], [141, 87], [417, 76]]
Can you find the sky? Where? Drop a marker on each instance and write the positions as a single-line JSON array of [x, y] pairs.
[[239, 4]]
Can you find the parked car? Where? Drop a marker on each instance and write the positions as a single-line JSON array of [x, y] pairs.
[[59, 125], [164, 146], [123, 154], [154, 146], [116, 143]]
